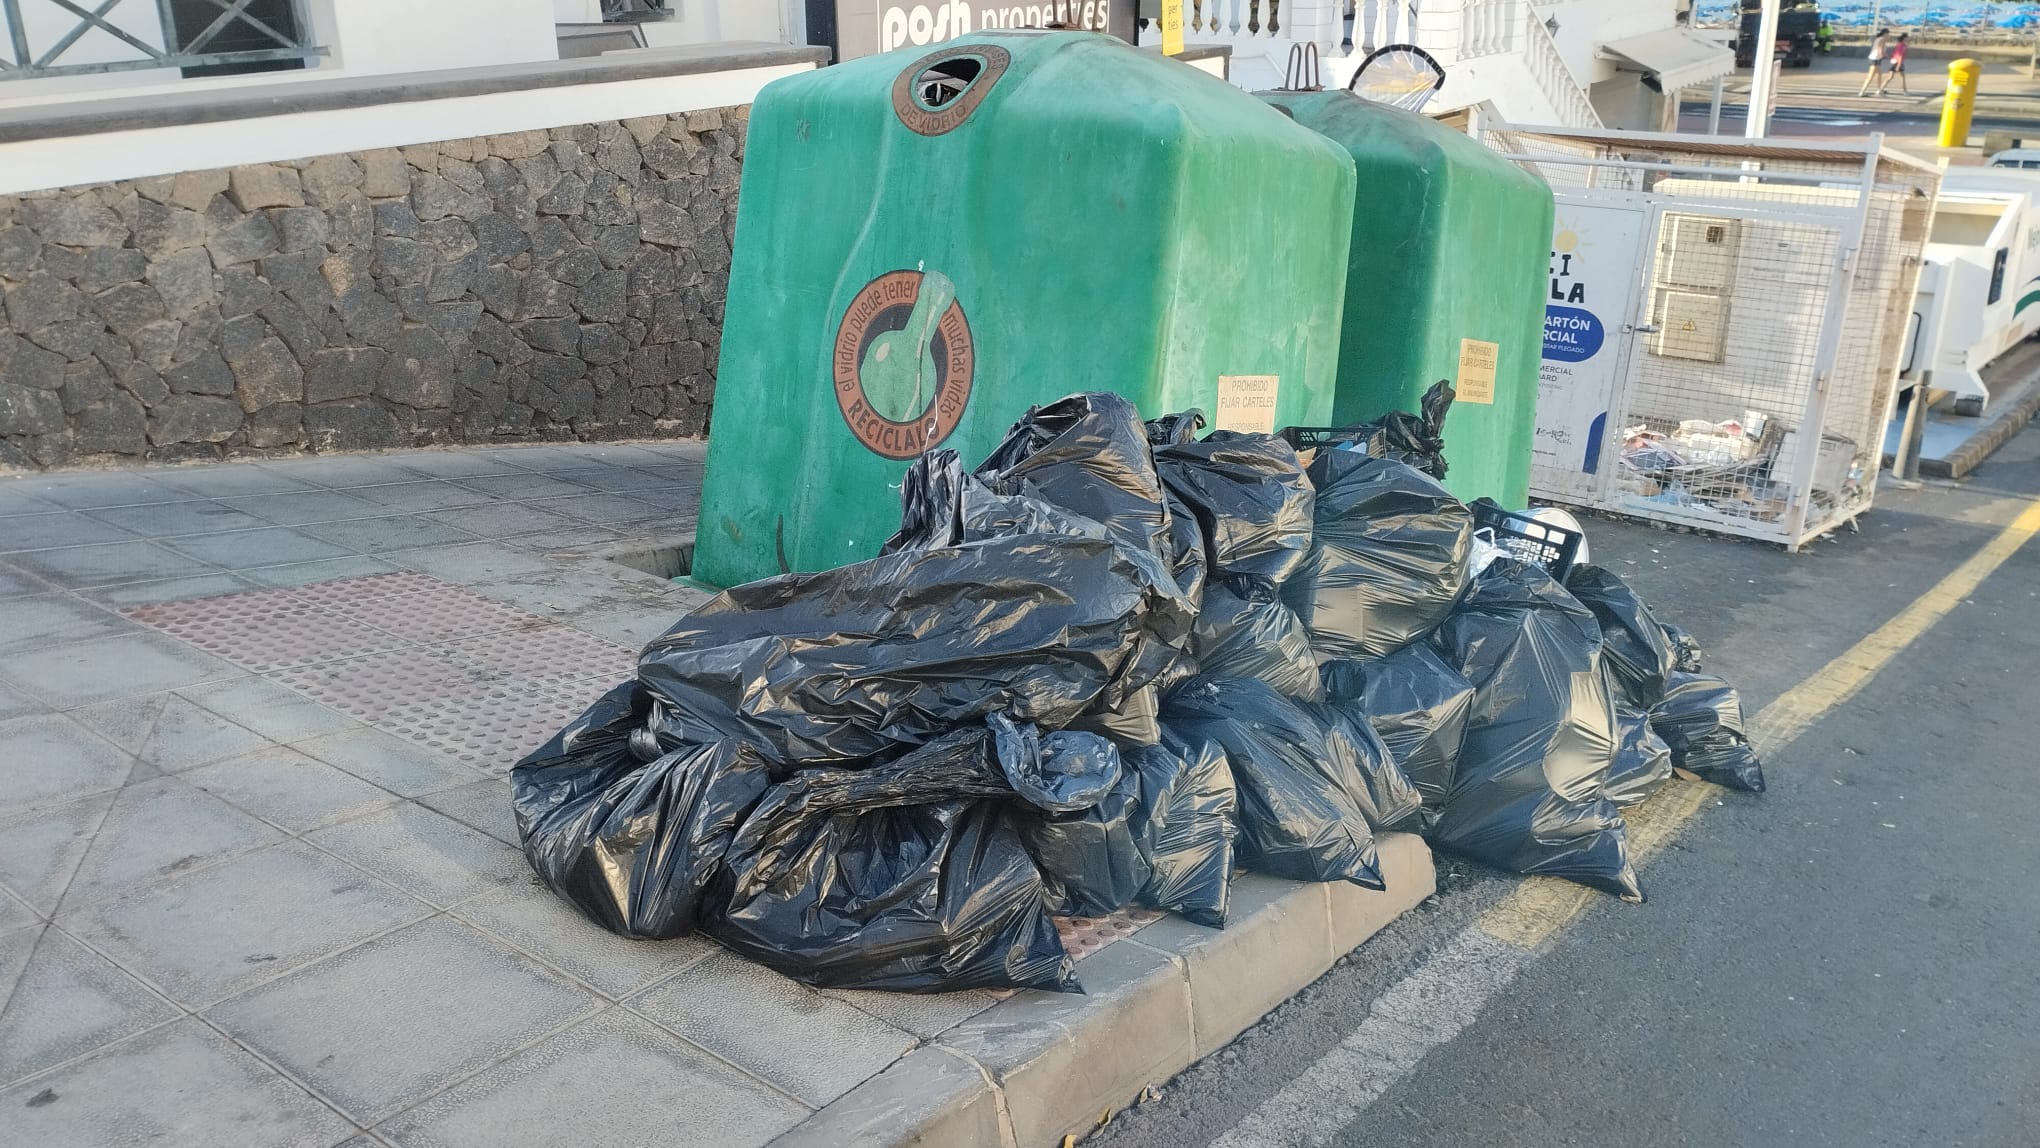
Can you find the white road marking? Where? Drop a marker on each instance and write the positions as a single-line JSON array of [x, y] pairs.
[[1444, 994], [1422, 1011]]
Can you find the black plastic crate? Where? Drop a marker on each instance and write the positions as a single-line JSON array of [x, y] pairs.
[[1528, 540], [1309, 438]]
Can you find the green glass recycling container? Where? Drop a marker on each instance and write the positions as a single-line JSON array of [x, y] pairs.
[[928, 243], [1449, 268]]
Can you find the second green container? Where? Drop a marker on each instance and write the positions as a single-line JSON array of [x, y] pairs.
[[928, 243], [1451, 253]]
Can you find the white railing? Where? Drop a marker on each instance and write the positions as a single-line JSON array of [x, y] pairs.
[[1547, 66], [1448, 29], [1254, 27], [1451, 30], [1378, 23], [1489, 27]]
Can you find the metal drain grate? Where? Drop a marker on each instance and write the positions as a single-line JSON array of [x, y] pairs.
[[1082, 936], [473, 678]]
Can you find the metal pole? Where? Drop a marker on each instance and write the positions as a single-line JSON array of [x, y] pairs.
[[1762, 73], [17, 33], [1905, 462], [1714, 110], [1848, 249]]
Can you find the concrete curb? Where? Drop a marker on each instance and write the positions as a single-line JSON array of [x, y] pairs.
[[1994, 433], [1038, 1066]]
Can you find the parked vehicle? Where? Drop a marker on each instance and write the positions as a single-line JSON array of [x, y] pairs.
[[1798, 31], [1979, 287], [2027, 158]]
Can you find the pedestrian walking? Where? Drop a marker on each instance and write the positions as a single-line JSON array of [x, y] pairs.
[[1877, 49], [1895, 65]]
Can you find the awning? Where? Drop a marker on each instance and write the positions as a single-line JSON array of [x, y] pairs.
[[1678, 57]]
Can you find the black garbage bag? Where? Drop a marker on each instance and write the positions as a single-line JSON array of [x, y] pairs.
[[1087, 454], [1393, 801], [1244, 631], [931, 504], [1249, 498], [1093, 860], [1131, 722], [1540, 741], [1064, 772], [1693, 721], [1701, 719], [1637, 658], [853, 664], [1303, 800], [940, 505], [1635, 646], [1076, 815], [906, 876], [1185, 541], [1685, 648], [633, 844], [1170, 430], [1416, 439], [1387, 559], [1419, 706], [1187, 821], [1643, 762]]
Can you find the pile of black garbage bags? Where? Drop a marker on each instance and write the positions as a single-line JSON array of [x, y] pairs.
[[1106, 668]]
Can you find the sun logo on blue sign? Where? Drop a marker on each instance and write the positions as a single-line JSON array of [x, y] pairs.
[[1572, 332]]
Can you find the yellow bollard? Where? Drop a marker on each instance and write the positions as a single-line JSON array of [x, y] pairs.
[[1961, 102]]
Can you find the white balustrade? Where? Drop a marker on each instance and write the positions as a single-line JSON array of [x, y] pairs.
[[1489, 27], [1548, 67], [1451, 30], [1258, 26]]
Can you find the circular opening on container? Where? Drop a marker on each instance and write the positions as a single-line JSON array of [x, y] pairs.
[[944, 82], [938, 92]]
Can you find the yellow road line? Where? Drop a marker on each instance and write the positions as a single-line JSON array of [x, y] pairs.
[[1798, 708], [1541, 906]]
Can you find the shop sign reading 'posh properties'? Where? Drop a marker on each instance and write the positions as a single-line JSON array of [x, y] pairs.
[[867, 27]]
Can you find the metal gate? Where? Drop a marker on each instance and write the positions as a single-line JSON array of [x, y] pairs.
[[1724, 325]]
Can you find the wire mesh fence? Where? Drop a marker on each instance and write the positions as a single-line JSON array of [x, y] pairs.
[[1752, 366]]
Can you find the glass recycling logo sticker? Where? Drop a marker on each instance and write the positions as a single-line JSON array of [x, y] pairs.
[[903, 363]]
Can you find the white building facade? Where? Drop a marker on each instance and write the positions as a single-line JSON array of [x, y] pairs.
[[1573, 63]]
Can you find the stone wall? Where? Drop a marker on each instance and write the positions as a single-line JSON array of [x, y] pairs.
[[563, 284]]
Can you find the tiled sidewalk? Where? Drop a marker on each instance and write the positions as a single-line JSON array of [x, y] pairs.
[[259, 882], [231, 915]]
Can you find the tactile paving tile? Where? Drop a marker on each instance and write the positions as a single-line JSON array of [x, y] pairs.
[[265, 629], [435, 614], [374, 686], [496, 725], [543, 655], [370, 586], [478, 679], [1082, 936], [197, 611]]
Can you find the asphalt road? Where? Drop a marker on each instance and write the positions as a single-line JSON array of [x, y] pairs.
[[1822, 101], [1852, 958], [1843, 120]]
